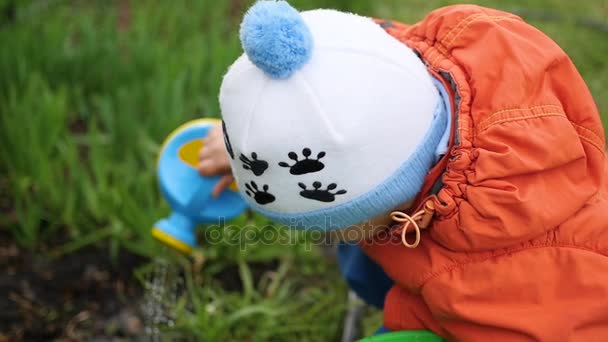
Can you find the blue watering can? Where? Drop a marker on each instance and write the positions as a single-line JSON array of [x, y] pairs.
[[187, 192]]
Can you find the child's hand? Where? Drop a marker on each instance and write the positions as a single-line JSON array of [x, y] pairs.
[[213, 159]]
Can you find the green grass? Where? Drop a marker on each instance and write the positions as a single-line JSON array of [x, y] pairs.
[[88, 92]]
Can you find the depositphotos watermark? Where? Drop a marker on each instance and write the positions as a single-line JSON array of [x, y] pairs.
[[291, 235]]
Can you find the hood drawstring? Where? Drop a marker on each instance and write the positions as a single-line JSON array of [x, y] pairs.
[[420, 220]]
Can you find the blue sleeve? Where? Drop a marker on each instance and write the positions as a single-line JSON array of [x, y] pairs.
[[363, 275]]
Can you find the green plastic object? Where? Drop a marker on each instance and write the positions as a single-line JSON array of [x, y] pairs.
[[405, 336]]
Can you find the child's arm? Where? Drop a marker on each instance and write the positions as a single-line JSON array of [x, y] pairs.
[[213, 159]]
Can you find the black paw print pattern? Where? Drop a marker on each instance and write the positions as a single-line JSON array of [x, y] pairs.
[[260, 196], [320, 195], [305, 165], [227, 141], [257, 166]]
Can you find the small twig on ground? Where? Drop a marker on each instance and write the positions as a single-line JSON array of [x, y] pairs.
[[70, 329]]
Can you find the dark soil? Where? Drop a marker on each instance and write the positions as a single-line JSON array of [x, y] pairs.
[[81, 296]]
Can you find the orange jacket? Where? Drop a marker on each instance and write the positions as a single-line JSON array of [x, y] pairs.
[[518, 248]]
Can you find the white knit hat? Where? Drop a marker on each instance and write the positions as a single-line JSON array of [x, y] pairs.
[[328, 120]]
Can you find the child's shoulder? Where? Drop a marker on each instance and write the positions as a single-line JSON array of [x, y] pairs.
[[524, 119]]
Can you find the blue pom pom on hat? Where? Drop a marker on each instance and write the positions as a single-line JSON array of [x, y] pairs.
[[275, 38]]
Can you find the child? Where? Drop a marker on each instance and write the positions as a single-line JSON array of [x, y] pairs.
[[466, 147]]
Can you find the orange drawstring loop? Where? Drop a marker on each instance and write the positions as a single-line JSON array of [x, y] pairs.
[[419, 220], [400, 217]]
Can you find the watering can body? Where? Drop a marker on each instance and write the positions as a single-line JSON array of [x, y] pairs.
[[188, 193]]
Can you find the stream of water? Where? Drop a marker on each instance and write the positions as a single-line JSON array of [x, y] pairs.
[[162, 288]]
